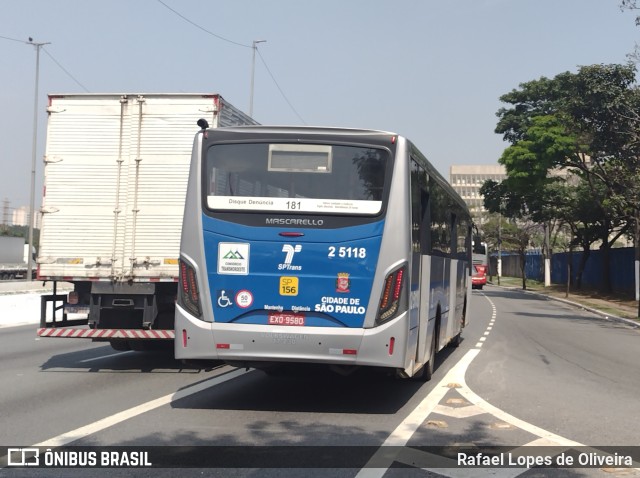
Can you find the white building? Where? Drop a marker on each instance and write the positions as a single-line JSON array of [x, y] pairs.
[[468, 179], [21, 217]]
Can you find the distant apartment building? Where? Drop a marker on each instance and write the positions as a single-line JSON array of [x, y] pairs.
[[468, 179], [21, 217]]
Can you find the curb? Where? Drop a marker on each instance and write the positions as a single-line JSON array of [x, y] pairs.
[[603, 315]]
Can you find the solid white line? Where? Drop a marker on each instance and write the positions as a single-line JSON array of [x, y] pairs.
[[105, 356], [107, 422], [403, 432], [407, 428], [401, 435], [504, 416]]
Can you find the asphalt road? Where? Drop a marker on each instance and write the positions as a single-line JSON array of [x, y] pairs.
[[529, 371]]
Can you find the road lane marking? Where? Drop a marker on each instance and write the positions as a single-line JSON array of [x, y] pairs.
[[504, 416], [388, 452], [120, 417], [458, 412], [401, 435], [394, 447], [105, 356]]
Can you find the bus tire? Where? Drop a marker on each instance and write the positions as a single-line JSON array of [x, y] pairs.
[[457, 340], [426, 372]]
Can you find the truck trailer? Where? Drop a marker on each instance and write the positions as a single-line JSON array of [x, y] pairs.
[[13, 258], [115, 178]]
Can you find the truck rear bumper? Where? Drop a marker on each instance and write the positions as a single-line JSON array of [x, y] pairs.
[[106, 334]]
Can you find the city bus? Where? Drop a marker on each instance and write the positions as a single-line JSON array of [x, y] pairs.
[[329, 246]]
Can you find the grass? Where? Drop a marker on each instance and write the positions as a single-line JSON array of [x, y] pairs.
[[617, 304]]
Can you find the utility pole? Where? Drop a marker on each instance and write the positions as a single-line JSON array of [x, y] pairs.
[[547, 256], [637, 261], [32, 215], [499, 245], [254, 47]]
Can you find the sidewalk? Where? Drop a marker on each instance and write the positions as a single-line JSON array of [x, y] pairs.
[[22, 286], [20, 301], [614, 306]]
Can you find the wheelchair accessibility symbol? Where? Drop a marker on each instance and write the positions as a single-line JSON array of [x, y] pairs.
[[223, 299]]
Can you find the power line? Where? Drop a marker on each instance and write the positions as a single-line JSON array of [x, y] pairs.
[[65, 70], [50, 56], [202, 28], [238, 44], [280, 89], [13, 39]]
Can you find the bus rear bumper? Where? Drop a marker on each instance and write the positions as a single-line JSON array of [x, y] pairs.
[[383, 346]]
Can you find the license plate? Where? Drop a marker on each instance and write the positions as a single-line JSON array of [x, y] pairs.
[[286, 319]]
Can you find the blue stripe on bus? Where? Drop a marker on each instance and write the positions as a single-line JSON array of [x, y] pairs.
[[329, 272]]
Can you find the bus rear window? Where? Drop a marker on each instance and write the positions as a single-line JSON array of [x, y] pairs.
[[296, 178]]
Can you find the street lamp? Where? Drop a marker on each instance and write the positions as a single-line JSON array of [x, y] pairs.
[[33, 160], [254, 47]]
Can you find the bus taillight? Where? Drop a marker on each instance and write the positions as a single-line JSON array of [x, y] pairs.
[[391, 296], [189, 297]]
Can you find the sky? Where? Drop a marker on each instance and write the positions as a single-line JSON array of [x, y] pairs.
[[432, 70]]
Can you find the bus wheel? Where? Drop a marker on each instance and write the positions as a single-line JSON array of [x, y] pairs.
[[457, 340], [426, 372]]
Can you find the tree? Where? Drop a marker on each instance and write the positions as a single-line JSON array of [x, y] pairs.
[[584, 123]]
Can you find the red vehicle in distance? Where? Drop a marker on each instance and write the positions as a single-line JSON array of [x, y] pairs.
[[480, 264], [479, 277]]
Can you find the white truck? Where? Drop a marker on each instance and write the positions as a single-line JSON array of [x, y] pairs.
[[13, 258], [115, 179]]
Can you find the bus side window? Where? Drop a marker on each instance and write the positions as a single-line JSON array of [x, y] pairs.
[[420, 215], [416, 206], [425, 228], [440, 220]]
